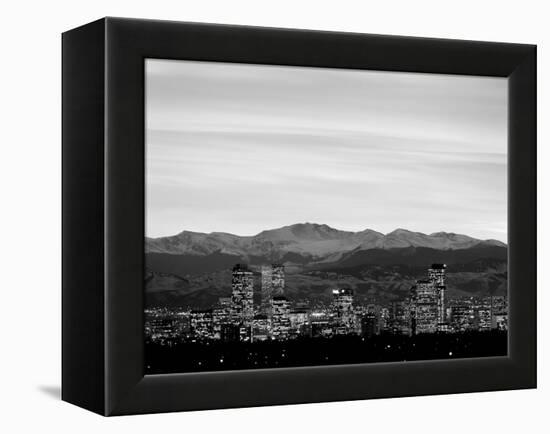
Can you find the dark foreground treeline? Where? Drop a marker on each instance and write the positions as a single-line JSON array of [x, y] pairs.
[[220, 356]]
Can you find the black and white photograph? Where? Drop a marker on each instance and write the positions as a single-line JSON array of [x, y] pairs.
[[303, 216], [274, 217]]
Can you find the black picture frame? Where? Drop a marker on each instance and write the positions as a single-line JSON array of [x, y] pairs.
[[103, 216]]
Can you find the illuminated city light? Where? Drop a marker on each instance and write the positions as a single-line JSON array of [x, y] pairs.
[[234, 318]]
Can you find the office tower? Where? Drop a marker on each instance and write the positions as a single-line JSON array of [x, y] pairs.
[[221, 315], [377, 312], [426, 309], [436, 275], [260, 328], [299, 322], [483, 314], [280, 318], [273, 284], [202, 324], [412, 309], [400, 318], [369, 325], [164, 325], [320, 324], [463, 315], [384, 319], [242, 303], [267, 290], [229, 333], [343, 312], [159, 326], [278, 279]]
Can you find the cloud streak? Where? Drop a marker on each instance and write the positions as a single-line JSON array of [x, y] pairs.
[[241, 148]]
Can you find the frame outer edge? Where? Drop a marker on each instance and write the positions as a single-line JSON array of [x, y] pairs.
[[523, 216], [82, 217], [128, 42]]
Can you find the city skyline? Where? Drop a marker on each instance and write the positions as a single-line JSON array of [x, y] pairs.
[[426, 309], [267, 335], [237, 148]]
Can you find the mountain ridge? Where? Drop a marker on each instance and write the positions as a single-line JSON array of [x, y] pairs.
[[315, 240]]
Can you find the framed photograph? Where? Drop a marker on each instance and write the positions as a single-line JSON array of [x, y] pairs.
[[257, 216]]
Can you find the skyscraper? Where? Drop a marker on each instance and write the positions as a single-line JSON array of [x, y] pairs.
[[242, 303], [462, 314], [412, 309], [278, 279], [426, 307], [273, 284], [369, 325], [221, 315], [483, 313], [202, 324], [280, 317], [260, 328], [436, 275], [400, 318], [342, 308]]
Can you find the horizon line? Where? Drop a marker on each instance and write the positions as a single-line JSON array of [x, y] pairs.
[[330, 227]]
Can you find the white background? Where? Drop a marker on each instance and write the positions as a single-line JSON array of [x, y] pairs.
[[30, 218]]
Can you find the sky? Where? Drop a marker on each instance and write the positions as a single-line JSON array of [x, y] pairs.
[[241, 148]]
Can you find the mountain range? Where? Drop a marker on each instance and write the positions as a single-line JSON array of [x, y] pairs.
[[193, 268], [310, 239]]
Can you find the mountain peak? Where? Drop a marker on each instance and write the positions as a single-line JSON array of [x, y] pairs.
[[401, 231], [302, 232], [442, 234], [310, 225]]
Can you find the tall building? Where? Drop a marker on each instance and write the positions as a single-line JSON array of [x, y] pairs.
[[426, 311], [343, 312], [273, 284], [221, 315], [462, 315], [436, 275], [267, 289], [412, 309], [202, 324], [400, 318], [384, 319], [278, 279], [229, 333], [242, 303], [299, 322], [369, 325], [260, 328], [469, 314], [320, 324], [482, 311], [280, 317]]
